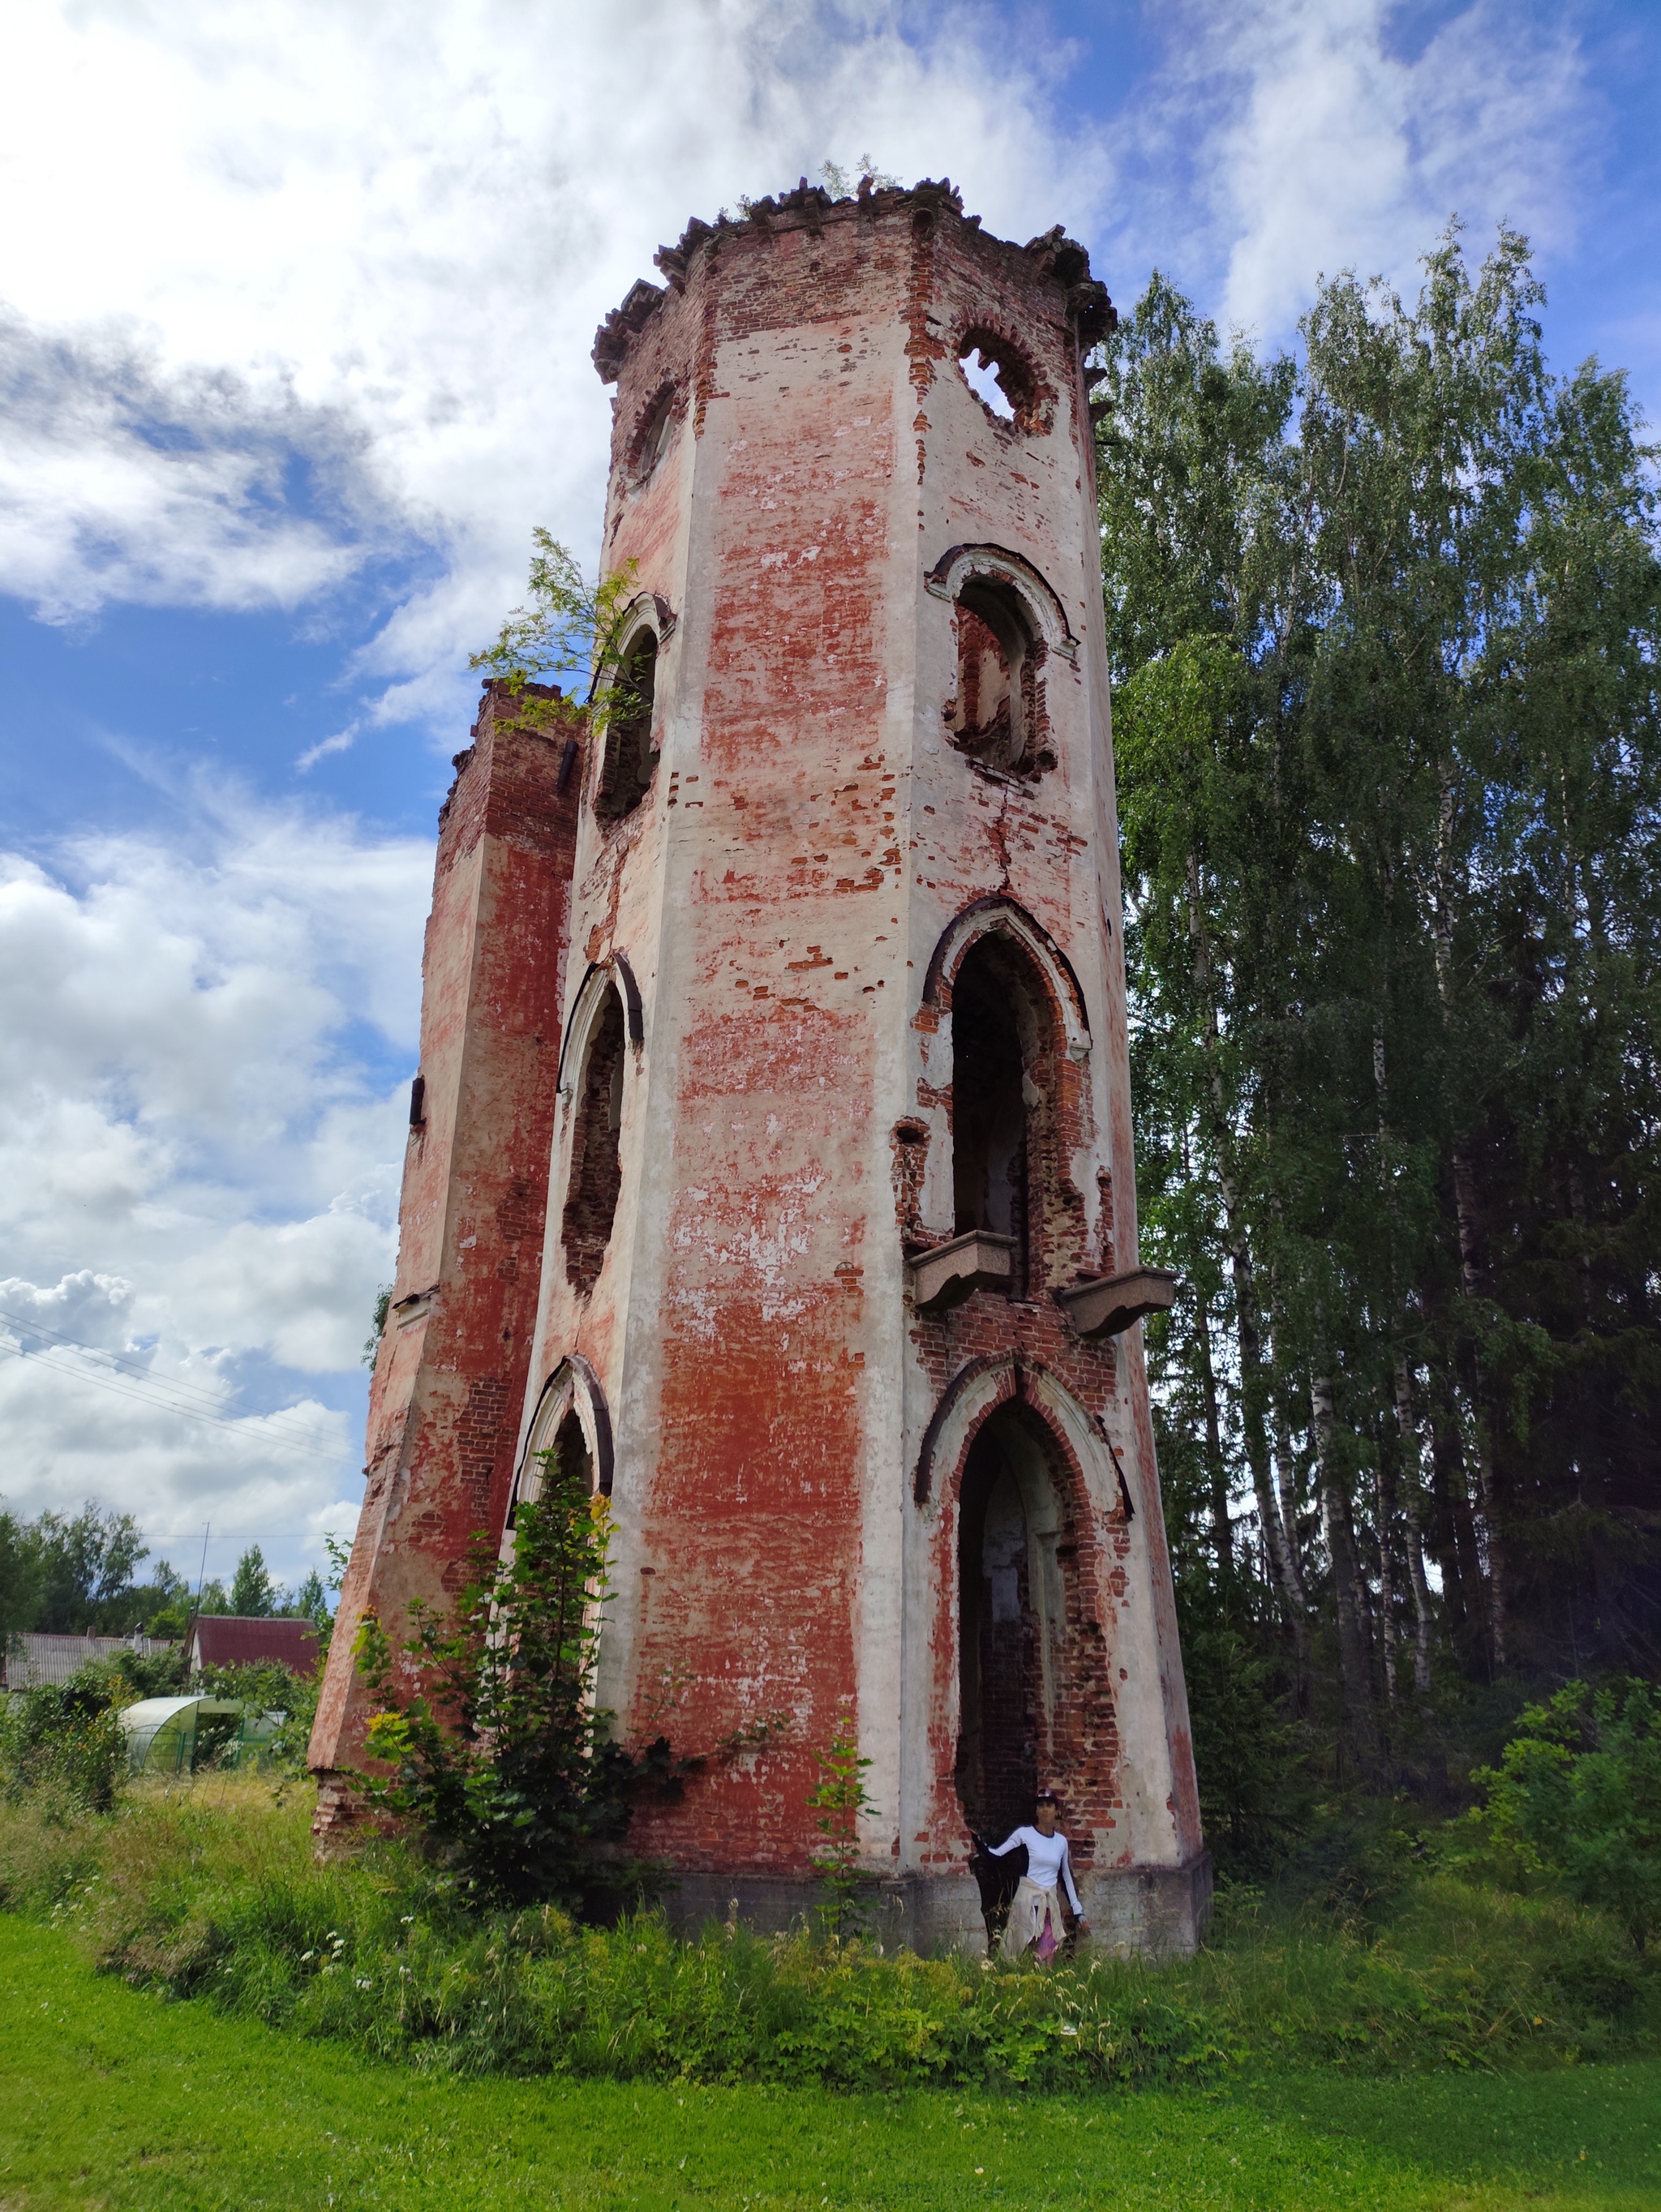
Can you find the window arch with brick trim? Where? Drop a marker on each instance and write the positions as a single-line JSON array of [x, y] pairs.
[[606, 1018], [571, 1413], [627, 754], [1036, 1560], [654, 433], [996, 714], [1008, 622], [1017, 1036]]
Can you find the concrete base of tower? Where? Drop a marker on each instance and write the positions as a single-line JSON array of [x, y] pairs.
[[1159, 1912], [1154, 1911]]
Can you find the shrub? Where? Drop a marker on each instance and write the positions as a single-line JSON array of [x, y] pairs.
[[266, 1686], [502, 1759], [210, 1891], [837, 1801], [1576, 1801], [63, 1745]]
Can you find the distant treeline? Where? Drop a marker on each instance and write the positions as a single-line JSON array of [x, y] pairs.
[[79, 1576], [1383, 620]]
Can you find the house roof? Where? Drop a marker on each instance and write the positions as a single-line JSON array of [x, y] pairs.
[[234, 1640], [37, 1660]]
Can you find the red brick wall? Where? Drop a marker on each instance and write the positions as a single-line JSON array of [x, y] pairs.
[[808, 834], [450, 1377]]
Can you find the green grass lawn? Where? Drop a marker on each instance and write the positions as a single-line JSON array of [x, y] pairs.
[[109, 2097]]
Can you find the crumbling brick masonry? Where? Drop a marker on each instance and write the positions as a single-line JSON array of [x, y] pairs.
[[775, 1124]]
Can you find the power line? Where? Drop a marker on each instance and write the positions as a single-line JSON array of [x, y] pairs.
[[230, 1535], [211, 1400], [277, 1439]]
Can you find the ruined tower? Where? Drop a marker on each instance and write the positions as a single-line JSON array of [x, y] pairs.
[[838, 1282]]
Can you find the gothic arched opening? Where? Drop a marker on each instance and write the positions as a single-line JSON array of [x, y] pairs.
[[590, 1201], [567, 1453], [1011, 1606], [626, 768], [988, 1100], [571, 1454], [994, 714], [652, 439]]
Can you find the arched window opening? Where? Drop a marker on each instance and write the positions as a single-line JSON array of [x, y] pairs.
[[596, 1166], [653, 440], [988, 1103], [626, 768], [1010, 1626], [1001, 377], [567, 1454], [994, 717], [571, 1454]]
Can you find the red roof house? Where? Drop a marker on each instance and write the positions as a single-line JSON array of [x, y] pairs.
[[236, 1640]]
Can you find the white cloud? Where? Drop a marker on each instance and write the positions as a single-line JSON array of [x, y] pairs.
[[294, 287], [201, 1131], [1284, 140], [119, 481], [381, 238], [305, 284]]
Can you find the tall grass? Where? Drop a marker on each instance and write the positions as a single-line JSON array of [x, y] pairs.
[[212, 1893]]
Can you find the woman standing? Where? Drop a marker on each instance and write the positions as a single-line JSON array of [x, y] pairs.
[[1035, 1917]]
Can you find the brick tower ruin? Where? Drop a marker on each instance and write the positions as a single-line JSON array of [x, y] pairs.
[[772, 1141]]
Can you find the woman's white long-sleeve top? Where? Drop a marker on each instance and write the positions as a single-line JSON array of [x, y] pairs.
[[1048, 1861]]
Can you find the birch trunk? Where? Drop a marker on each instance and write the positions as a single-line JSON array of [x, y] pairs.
[[1216, 1467], [1412, 1520], [1385, 1506], [1464, 1207], [1253, 1381], [1354, 1665]]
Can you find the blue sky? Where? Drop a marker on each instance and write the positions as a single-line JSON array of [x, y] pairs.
[[296, 304]]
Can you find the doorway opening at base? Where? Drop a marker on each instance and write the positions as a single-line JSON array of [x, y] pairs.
[[1011, 1610]]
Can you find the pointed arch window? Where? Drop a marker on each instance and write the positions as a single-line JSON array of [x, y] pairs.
[[625, 766], [596, 1177], [1006, 622], [1007, 1053]]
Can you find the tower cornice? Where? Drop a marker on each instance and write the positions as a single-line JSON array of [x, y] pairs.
[[1083, 302]]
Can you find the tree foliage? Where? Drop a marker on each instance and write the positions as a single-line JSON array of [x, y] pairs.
[[838, 1801], [76, 1574], [253, 1594], [1383, 620], [73, 1575], [568, 628], [493, 1744], [62, 1746], [1576, 1799]]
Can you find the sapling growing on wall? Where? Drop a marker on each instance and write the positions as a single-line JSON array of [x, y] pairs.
[[569, 630]]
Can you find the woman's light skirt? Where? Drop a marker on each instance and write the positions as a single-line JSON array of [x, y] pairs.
[[1025, 1926]]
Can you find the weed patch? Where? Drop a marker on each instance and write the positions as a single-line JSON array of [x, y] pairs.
[[212, 1893]]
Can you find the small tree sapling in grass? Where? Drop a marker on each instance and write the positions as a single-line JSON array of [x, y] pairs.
[[839, 1799], [501, 1757]]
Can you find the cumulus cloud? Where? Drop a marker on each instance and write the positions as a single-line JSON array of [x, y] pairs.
[[1277, 141], [119, 481], [294, 290], [201, 1131], [380, 240], [306, 285]]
